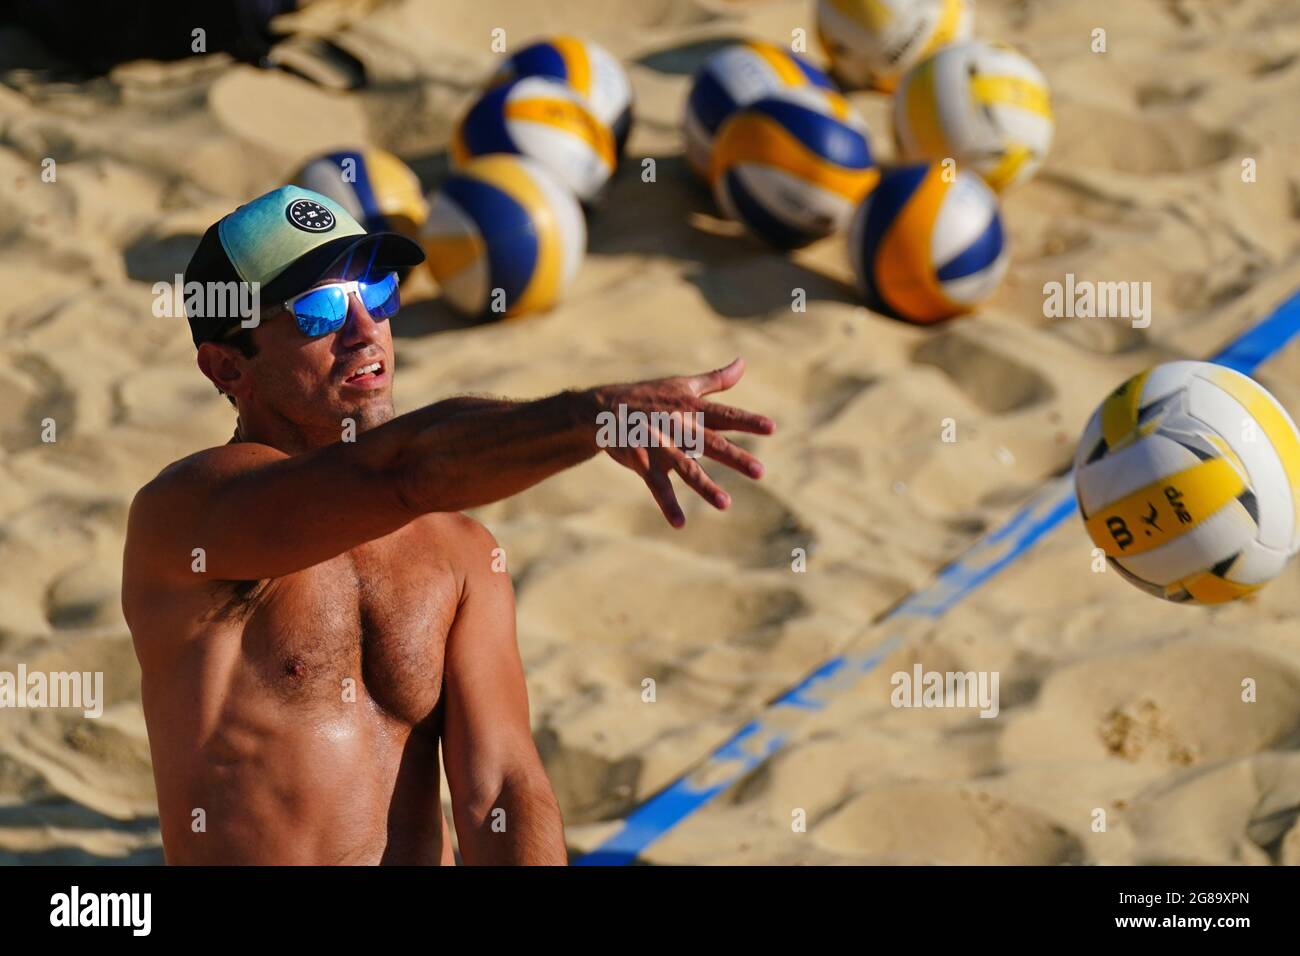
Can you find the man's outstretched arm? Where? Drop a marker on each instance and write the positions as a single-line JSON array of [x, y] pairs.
[[505, 809], [259, 513]]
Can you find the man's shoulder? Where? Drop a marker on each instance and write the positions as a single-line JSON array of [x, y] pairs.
[[454, 532], [465, 543], [183, 486], [214, 462], [197, 472]]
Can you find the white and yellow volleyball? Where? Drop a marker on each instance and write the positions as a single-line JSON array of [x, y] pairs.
[[872, 43], [586, 67], [927, 244], [378, 189], [982, 104], [1188, 478], [793, 166], [736, 76], [504, 237], [543, 119]]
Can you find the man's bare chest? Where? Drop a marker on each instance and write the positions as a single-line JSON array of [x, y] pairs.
[[367, 627]]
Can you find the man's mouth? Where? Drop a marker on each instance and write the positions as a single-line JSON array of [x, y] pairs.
[[370, 374]]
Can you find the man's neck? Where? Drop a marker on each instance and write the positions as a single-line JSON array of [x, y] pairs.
[[282, 435], [292, 439]]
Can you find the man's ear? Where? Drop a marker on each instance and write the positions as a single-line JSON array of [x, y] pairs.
[[223, 365]]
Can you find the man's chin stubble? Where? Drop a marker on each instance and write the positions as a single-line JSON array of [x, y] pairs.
[[372, 414]]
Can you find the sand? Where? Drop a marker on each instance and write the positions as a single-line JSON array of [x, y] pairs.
[[1111, 700]]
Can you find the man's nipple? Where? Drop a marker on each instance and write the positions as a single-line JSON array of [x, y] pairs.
[[295, 668]]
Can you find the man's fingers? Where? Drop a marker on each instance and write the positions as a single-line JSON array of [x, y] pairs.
[[661, 487], [733, 456], [719, 379], [693, 424], [696, 478], [728, 418]]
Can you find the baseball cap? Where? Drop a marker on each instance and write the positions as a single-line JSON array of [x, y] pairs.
[[285, 241]]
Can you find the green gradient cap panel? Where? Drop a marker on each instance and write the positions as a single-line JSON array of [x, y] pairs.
[[264, 237]]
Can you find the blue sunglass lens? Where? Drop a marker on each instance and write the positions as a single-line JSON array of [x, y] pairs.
[[380, 297], [321, 311]]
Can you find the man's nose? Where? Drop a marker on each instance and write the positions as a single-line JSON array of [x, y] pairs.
[[359, 325]]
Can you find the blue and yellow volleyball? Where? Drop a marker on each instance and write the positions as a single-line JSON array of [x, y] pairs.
[[927, 243], [733, 77], [378, 189], [504, 237], [982, 104], [792, 166], [587, 68], [873, 43], [543, 119]]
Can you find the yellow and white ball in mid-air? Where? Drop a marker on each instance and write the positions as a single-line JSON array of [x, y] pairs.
[[982, 104], [1188, 478], [872, 43]]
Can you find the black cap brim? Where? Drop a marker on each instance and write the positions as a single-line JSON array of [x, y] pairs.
[[374, 252]]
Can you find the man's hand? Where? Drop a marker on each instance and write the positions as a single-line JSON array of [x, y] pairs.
[[682, 397]]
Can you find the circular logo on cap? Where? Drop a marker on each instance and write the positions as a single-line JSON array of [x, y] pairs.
[[309, 215]]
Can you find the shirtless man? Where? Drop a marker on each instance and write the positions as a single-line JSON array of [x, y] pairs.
[[312, 615]]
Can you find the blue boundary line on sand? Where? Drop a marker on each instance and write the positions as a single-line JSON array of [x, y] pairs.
[[772, 729]]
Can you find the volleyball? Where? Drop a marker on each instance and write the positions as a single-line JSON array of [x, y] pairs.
[[792, 166], [872, 43], [588, 68], [927, 243], [375, 187], [504, 237], [982, 104], [733, 77], [1188, 478], [546, 120]]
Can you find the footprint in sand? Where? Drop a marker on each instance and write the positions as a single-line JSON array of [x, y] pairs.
[[1151, 143], [945, 824], [85, 596], [757, 531], [826, 394], [35, 391], [628, 592], [1234, 812], [1176, 704], [1165, 94], [995, 382]]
